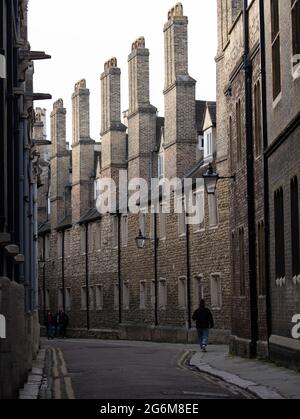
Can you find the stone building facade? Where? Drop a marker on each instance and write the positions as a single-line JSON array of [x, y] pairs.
[[19, 180], [258, 107], [238, 66], [91, 265], [282, 154]]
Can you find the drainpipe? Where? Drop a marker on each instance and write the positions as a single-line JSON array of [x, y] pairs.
[[44, 280], [188, 274], [250, 183], [26, 216], [156, 240], [21, 188], [35, 238], [87, 276], [266, 166], [63, 269], [120, 283]]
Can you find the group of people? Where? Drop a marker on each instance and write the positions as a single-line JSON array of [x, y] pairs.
[[57, 325]]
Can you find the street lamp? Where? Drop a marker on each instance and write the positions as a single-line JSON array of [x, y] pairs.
[[141, 240], [211, 179]]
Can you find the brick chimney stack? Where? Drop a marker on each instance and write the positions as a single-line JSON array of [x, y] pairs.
[[180, 105], [82, 152], [113, 132], [141, 114], [59, 163]]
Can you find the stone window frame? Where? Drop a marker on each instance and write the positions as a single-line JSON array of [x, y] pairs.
[[261, 273], [98, 236], [68, 298], [181, 218], [60, 298], [216, 291], [276, 50], [83, 298], [124, 230], [116, 297], [197, 227], [115, 232], [152, 293], [162, 294], [295, 228], [212, 205], [92, 294], [99, 297], [83, 239], [67, 244], [162, 223], [198, 284], [258, 135], [143, 295], [182, 292], [242, 260], [279, 219], [239, 132], [126, 296]]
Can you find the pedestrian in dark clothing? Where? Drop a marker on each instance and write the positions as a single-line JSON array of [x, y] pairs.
[[204, 321], [63, 323], [56, 323], [50, 325]]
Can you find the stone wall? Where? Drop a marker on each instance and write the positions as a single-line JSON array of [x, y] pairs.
[[22, 339]]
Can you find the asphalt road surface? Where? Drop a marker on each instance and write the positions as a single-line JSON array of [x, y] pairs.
[[93, 369]]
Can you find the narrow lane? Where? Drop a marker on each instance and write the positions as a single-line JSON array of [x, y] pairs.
[[91, 369]]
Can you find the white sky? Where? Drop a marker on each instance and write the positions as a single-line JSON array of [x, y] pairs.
[[82, 35]]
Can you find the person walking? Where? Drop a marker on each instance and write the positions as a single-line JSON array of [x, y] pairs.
[[63, 323], [50, 326], [204, 321]]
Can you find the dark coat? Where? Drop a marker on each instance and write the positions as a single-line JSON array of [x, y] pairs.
[[203, 318]]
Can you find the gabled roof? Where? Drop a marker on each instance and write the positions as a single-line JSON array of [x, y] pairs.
[[212, 109], [200, 114]]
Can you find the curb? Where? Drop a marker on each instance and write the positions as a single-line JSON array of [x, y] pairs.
[[260, 391], [32, 387]]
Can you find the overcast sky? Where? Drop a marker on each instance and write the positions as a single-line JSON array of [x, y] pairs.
[[81, 35]]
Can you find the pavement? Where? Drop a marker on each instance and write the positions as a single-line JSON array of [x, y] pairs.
[[35, 379], [262, 379]]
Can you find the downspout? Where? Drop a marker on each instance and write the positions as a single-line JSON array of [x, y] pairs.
[[87, 276], [26, 215], [156, 239], [266, 166], [44, 279], [188, 274], [63, 269], [120, 283], [35, 258], [250, 184], [21, 188]]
